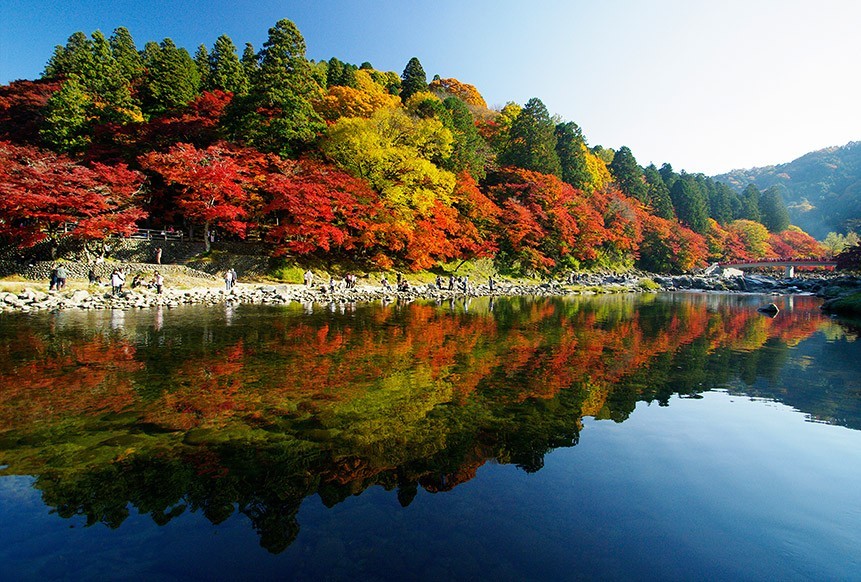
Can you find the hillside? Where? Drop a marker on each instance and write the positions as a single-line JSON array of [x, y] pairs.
[[822, 189], [328, 162]]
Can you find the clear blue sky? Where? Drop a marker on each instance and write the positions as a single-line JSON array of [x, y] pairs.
[[705, 85]]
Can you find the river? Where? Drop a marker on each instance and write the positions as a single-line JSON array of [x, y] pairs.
[[649, 436]]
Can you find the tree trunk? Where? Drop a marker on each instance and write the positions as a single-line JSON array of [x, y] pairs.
[[206, 235]]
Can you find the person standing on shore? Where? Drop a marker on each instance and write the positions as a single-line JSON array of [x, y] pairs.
[[228, 280], [158, 256], [61, 277], [52, 279], [158, 282], [116, 282], [309, 278]]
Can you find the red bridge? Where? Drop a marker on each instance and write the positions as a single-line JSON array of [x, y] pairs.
[[788, 264]]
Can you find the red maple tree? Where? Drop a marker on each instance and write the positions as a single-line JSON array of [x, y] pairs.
[[46, 195], [214, 186]]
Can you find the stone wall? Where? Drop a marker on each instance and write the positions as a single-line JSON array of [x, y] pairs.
[[41, 271], [247, 259]]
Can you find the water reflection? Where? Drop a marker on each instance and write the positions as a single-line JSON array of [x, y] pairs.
[[253, 409]]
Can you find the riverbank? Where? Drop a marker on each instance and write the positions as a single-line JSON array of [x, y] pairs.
[[28, 297]]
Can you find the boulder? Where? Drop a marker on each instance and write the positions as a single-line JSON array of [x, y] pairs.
[[729, 272], [770, 309], [79, 296], [9, 298]]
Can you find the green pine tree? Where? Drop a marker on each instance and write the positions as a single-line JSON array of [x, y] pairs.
[[250, 62], [72, 59], [276, 115], [225, 69], [721, 203], [690, 204], [749, 208], [201, 63], [775, 216], [104, 79], [629, 175], [469, 151], [66, 125], [658, 193], [126, 54], [172, 78], [571, 149], [413, 79], [532, 140]]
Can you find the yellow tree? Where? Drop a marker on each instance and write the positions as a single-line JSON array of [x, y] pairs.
[[398, 154], [369, 97], [395, 153], [753, 235], [463, 91]]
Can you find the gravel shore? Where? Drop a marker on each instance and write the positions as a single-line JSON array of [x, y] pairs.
[[31, 299]]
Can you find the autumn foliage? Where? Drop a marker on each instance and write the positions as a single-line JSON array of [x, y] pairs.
[[45, 195], [342, 163]]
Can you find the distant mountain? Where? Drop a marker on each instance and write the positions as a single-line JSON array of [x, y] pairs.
[[822, 189]]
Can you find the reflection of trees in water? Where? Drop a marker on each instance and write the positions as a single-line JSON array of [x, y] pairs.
[[255, 416]]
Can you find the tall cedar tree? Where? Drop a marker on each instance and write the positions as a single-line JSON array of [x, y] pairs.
[[66, 125], [773, 210], [690, 204], [749, 209], [722, 199], [69, 59], [532, 141], [668, 175], [250, 62], [413, 80], [276, 115], [126, 54], [172, 79], [468, 150], [201, 61], [629, 175], [226, 72], [658, 193], [570, 147], [104, 78]]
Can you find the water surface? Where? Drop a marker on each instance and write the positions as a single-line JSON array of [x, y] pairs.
[[649, 436]]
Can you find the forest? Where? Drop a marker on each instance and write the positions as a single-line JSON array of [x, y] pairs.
[[821, 188], [342, 163]]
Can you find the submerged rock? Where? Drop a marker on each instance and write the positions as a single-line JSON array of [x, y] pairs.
[[770, 309]]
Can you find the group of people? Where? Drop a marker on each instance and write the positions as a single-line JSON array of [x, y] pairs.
[[58, 278], [229, 279], [349, 281], [118, 280], [458, 283]]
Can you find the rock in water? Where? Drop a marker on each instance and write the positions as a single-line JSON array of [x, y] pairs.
[[770, 309]]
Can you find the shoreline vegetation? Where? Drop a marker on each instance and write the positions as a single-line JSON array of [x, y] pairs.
[[326, 162], [26, 295]]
